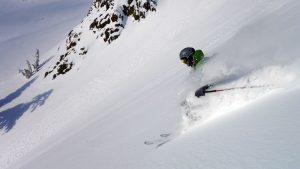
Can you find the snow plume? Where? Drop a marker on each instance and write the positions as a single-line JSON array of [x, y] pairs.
[[260, 54], [105, 20], [256, 46], [249, 87]]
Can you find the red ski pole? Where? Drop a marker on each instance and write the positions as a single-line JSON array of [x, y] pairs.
[[233, 88], [204, 89]]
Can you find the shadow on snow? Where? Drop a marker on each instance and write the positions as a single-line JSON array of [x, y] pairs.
[[16, 93], [46, 61], [9, 117]]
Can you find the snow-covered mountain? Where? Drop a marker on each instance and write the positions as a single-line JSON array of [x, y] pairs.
[[116, 95], [106, 19]]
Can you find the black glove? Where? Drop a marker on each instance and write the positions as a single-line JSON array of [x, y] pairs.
[[201, 91]]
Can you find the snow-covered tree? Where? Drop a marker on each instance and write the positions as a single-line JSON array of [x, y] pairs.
[[27, 72], [36, 64], [29, 66]]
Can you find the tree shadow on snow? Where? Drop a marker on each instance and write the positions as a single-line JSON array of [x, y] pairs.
[[16, 93], [9, 117], [46, 61]]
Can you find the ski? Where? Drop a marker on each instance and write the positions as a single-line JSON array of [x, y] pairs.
[[164, 138]]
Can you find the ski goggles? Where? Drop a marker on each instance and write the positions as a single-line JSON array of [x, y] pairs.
[[185, 61]]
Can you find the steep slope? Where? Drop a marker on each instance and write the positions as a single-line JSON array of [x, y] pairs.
[[106, 19], [261, 134], [27, 25], [264, 134], [100, 114]]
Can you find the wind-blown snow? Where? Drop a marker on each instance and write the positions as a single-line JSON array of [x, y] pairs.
[[263, 53], [121, 95]]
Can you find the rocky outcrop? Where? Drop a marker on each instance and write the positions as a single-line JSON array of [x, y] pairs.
[[109, 24], [105, 20]]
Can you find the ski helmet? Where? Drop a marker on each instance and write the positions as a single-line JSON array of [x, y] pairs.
[[186, 53]]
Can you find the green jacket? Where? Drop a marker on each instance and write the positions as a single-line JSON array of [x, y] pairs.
[[198, 58]]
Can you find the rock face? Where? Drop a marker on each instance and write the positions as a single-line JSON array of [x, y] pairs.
[[105, 21]]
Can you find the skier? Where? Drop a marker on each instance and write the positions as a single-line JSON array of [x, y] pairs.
[[191, 57], [194, 58]]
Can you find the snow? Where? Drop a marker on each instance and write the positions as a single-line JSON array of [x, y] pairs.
[[253, 137], [33, 24], [120, 95]]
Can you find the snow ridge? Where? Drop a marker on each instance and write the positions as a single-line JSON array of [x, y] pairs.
[[106, 19]]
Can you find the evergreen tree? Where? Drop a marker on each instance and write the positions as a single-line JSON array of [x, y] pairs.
[[36, 64]]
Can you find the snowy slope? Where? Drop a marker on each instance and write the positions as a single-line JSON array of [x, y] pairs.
[[100, 114], [30, 24]]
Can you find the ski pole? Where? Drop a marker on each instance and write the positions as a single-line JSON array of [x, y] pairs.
[[203, 90], [233, 88]]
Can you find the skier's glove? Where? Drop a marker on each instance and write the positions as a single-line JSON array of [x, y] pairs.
[[201, 91]]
